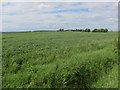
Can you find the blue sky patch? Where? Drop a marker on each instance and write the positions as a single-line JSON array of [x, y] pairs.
[[12, 13], [68, 10]]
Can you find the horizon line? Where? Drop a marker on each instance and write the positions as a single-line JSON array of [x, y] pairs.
[[40, 30]]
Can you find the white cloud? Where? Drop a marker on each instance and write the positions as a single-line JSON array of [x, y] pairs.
[[0, 17], [60, 0], [32, 16]]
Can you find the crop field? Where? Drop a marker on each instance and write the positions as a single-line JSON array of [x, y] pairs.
[[60, 60]]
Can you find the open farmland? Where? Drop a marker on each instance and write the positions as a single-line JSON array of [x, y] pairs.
[[60, 59]]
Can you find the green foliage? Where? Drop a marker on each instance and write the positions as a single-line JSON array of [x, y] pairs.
[[59, 59], [100, 30], [87, 30], [61, 29], [108, 81]]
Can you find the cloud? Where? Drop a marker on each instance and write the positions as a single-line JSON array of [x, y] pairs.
[[32, 16], [77, 3], [0, 17], [60, 1], [6, 4]]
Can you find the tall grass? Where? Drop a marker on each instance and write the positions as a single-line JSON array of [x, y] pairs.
[[59, 59]]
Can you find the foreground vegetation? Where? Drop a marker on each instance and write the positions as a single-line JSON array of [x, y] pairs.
[[60, 59]]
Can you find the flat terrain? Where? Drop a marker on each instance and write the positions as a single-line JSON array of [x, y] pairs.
[[60, 59]]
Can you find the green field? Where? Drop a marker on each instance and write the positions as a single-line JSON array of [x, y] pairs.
[[60, 59]]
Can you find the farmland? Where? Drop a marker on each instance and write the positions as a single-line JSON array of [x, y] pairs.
[[60, 59]]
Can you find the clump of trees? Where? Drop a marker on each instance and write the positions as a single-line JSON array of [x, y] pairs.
[[86, 30], [76, 30], [100, 30], [61, 29], [81, 30]]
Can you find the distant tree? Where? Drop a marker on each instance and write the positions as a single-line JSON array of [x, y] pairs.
[[80, 30], [94, 30], [61, 29], [87, 30], [100, 30], [106, 30]]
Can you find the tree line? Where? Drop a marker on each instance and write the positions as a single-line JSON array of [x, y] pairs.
[[85, 30]]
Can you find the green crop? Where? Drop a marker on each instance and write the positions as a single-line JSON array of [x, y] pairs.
[[59, 60]]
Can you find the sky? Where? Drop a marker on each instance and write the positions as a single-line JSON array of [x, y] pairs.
[[30, 16]]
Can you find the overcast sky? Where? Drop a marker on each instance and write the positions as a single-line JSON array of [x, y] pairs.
[[22, 16]]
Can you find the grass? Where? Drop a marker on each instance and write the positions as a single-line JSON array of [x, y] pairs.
[[59, 59], [108, 81]]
